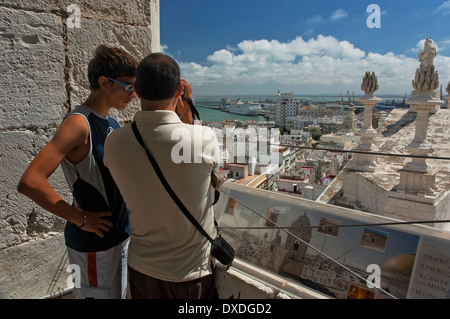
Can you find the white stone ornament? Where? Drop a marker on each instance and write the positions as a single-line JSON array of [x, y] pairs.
[[369, 84], [426, 78]]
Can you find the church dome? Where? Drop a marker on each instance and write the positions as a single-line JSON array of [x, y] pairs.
[[301, 221], [400, 264]]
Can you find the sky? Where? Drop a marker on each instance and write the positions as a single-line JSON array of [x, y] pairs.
[[260, 47]]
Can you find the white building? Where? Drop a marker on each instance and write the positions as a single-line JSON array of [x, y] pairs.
[[286, 107], [300, 122]]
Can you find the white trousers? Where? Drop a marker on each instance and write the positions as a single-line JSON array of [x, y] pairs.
[[103, 274]]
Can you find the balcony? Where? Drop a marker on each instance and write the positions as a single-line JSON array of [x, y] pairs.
[[314, 250], [293, 248]]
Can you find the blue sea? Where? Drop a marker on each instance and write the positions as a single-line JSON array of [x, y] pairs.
[[214, 115], [211, 114]]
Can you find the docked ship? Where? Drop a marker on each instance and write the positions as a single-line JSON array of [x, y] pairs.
[[241, 108]]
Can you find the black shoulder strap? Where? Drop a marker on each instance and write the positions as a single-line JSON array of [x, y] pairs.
[[166, 184]]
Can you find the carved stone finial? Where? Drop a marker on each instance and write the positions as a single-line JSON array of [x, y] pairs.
[[426, 78], [426, 56], [370, 83]]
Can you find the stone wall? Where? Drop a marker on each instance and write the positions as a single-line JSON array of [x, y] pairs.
[[45, 49], [372, 193]]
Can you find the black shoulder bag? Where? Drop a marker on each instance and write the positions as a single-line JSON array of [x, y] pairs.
[[220, 248]]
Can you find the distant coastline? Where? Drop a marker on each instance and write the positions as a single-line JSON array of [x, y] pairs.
[[208, 105], [399, 95], [312, 97], [214, 100]]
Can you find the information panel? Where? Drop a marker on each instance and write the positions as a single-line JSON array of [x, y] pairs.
[[334, 250]]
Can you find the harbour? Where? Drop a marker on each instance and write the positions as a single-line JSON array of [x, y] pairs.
[[212, 108], [215, 114]]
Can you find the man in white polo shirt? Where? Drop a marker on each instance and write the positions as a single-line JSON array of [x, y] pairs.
[[168, 256]]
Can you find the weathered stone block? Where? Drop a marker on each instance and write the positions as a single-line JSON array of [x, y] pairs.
[[20, 218], [136, 12], [33, 269], [351, 185], [408, 209], [32, 91]]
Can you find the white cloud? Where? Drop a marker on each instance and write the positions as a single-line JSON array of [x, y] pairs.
[[338, 14], [318, 65], [444, 8], [164, 48], [308, 32], [441, 45], [442, 64], [444, 45], [221, 57], [315, 20]]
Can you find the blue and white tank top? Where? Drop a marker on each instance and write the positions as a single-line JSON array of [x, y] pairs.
[[94, 189]]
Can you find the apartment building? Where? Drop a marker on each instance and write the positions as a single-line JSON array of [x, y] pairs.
[[286, 107]]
